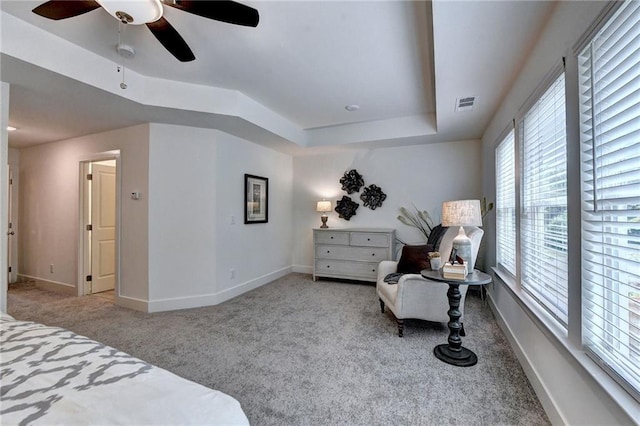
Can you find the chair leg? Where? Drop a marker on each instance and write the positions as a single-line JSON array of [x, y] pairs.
[[381, 306], [400, 327]]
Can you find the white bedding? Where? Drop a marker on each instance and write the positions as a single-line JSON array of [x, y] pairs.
[[52, 376]]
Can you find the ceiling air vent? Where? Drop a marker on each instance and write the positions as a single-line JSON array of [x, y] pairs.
[[465, 104]]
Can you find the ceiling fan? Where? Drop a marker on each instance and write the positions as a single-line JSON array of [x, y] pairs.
[[149, 13]]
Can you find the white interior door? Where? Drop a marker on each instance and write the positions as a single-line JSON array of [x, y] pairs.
[[103, 228], [11, 233]]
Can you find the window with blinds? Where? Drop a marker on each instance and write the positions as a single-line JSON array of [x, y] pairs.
[[543, 216], [609, 69], [506, 204]]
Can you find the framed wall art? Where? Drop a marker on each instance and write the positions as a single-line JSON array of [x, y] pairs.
[[256, 193]]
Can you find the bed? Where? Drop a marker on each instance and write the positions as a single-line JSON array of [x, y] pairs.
[[52, 376]]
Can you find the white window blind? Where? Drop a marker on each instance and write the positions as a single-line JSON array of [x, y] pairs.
[[610, 135], [506, 204], [543, 220]]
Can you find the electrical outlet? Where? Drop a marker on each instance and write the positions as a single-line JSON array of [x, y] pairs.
[[51, 268], [232, 273]]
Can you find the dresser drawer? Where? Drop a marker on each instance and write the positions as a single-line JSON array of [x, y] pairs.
[[347, 269], [329, 237], [369, 239], [373, 254], [351, 253]]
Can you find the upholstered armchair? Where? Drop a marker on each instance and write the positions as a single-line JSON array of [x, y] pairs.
[[416, 297]]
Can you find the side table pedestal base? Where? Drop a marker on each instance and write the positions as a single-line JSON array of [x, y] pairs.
[[462, 358]]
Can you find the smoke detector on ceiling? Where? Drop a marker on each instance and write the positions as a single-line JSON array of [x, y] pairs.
[[125, 51], [466, 103]]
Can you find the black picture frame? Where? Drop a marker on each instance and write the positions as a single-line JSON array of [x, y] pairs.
[[256, 199]]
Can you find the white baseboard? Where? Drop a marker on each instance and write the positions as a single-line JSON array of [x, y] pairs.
[[132, 303], [49, 285], [188, 302], [214, 298], [230, 293], [302, 269], [530, 371]]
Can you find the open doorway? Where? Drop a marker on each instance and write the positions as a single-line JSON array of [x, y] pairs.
[[99, 228]]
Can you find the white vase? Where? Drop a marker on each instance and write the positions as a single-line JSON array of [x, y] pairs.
[[435, 263]]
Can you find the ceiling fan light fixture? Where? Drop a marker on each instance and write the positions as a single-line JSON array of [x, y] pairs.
[[137, 12]]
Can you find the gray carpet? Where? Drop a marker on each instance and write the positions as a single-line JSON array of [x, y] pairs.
[[298, 352]]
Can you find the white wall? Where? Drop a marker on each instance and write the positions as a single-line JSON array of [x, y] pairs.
[[49, 205], [567, 390], [259, 252], [182, 196], [425, 175], [196, 184]]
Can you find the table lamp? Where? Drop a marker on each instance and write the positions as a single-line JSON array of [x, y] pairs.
[[462, 213], [324, 207]]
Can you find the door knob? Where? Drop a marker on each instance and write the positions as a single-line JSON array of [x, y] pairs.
[[11, 233]]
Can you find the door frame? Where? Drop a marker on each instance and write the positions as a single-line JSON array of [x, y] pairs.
[[84, 258]]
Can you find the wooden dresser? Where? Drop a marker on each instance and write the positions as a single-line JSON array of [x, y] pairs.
[[351, 253]]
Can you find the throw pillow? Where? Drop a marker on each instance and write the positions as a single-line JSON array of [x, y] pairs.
[[414, 259], [436, 235]]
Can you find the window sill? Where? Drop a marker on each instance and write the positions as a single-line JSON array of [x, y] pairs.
[[559, 337]]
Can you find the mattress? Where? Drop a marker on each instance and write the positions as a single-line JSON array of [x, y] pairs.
[[52, 376]]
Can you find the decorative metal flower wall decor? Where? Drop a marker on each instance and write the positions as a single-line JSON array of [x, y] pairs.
[[346, 207], [352, 181], [372, 196]]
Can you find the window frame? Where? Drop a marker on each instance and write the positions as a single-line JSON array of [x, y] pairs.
[[570, 341], [600, 348], [548, 81], [507, 136]]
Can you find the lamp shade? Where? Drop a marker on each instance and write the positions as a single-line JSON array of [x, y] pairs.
[[461, 213], [323, 206]]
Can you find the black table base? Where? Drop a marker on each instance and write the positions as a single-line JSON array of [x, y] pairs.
[[461, 358], [453, 352]]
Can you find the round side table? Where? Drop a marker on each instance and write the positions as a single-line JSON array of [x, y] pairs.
[[453, 352]]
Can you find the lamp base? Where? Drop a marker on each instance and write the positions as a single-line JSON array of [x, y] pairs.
[[462, 244], [324, 218]]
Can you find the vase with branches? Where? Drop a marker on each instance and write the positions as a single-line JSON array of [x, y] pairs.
[[419, 219]]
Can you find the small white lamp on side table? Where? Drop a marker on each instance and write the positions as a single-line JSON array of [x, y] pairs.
[[324, 207], [462, 213]]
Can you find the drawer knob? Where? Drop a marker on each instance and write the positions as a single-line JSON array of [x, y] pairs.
[[368, 239], [328, 251], [328, 266], [332, 238], [373, 254]]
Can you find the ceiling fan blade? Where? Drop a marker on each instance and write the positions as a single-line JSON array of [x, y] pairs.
[[61, 9], [171, 40], [220, 10]]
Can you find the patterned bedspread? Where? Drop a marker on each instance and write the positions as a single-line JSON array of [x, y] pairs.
[[51, 376]]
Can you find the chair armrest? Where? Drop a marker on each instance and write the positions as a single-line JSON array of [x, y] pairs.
[[385, 268], [421, 298]]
